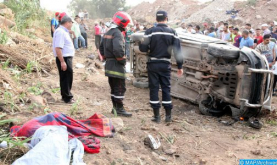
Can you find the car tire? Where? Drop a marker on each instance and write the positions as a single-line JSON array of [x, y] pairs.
[[204, 110], [223, 51], [140, 84]]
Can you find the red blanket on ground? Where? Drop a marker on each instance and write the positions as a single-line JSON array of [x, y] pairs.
[[97, 124]]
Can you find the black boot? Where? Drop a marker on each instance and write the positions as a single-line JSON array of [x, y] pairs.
[[157, 117], [168, 115], [120, 110]]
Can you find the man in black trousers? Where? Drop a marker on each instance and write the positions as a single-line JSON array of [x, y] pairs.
[[161, 41], [64, 51]]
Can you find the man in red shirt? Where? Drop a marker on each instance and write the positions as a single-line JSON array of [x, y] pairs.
[[258, 37], [237, 37], [97, 33]]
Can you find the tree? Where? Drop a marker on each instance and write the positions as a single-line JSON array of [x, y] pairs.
[[98, 8]]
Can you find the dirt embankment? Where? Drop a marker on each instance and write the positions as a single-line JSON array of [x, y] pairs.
[[256, 12]]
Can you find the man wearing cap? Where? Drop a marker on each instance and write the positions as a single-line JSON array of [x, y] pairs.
[[265, 29], [54, 23], [162, 41], [64, 51]]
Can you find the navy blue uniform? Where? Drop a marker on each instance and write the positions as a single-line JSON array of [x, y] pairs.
[[162, 41]]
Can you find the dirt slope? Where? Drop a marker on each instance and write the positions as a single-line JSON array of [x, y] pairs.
[[177, 10], [256, 13]]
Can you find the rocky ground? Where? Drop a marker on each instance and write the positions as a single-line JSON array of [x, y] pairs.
[[255, 12]]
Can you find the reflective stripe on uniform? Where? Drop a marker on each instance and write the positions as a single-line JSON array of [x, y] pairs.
[[118, 97], [161, 33], [167, 102], [154, 102], [160, 59], [115, 73]]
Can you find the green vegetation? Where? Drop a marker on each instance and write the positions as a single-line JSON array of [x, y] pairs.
[[99, 8], [3, 37], [28, 14], [252, 2], [56, 90], [272, 122], [3, 122], [36, 90], [74, 108], [6, 64], [9, 101]]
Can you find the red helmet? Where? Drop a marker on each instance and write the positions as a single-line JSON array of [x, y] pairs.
[[122, 19]]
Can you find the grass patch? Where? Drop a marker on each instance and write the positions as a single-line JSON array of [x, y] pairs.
[[75, 108], [36, 90]]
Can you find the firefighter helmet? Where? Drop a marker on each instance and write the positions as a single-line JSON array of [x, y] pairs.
[[122, 19]]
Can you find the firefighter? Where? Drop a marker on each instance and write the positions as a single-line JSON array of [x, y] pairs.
[[161, 41], [113, 49]]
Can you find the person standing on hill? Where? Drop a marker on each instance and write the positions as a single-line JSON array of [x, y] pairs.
[[225, 35], [258, 38], [77, 34], [212, 33], [265, 29], [54, 23], [162, 42], [113, 49], [97, 33], [83, 28], [64, 52], [237, 38], [268, 49]]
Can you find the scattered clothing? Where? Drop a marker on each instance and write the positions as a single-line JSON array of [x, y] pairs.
[[247, 42], [51, 146], [97, 125], [91, 144]]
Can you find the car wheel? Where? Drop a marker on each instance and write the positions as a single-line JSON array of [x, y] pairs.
[[223, 51], [140, 83], [204, 110]]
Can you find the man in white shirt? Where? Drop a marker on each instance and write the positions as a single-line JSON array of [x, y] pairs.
[[64, 52]]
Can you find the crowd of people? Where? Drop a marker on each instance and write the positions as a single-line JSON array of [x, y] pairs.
[[262, 39]]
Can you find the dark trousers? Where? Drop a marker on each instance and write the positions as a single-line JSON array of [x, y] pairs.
[[118, 90], [85, 35], [159, 73], [66, 78], [275, 80], [97, 41]]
